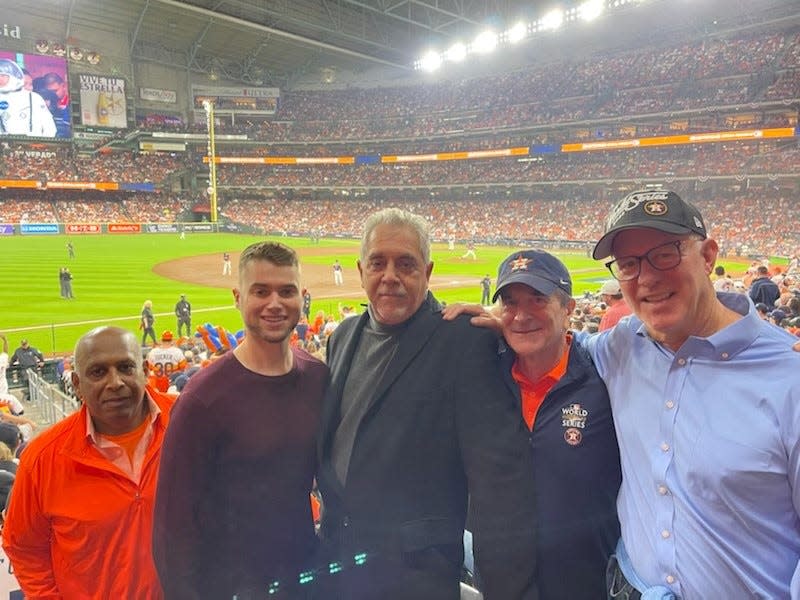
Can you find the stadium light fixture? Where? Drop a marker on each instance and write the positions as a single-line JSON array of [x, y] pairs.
[[517, 32], [558, 18], [571, 14], [457, 52], [430, 62], [485, 42], [591, 9], [553, 19]]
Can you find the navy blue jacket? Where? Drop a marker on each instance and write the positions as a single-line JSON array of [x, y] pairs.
[[763, 289], [577, 476]]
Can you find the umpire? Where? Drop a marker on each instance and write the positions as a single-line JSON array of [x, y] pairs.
[[183, 310]]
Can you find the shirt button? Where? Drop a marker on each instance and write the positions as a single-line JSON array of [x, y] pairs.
[[665, 534], [681, 361], [725, 355], [662, 489], [665, 447], [346, 522], [670, 404], [670, 579]]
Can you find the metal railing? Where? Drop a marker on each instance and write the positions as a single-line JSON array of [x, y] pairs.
[[48, 401]]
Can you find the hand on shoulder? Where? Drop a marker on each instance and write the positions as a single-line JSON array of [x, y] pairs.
[[480, 316]]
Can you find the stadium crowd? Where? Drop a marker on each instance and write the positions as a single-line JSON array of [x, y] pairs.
[[490, 140], [737, 70], [744, 158], [71, 206], [63, 164], [731, 159], [752, 222]]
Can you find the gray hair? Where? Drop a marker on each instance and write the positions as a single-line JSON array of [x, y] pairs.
[[397, 217]]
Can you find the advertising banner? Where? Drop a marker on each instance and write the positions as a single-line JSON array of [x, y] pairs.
[[237, 99], [162, 146], [161, 228], [81, 228], [138, 187], [209, 227], [124, 228], [6, 229], [103, 101], [82, 185], [157, 95], [38, 228], [20, 183]]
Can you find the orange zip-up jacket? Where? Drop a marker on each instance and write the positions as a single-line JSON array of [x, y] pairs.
[[78, 526]]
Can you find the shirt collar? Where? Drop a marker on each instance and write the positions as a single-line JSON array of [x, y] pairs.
[[728, 341], [553, 375], [94, 436]]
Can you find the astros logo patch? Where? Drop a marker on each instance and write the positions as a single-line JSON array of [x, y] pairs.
[[520, 263], [573, 436], [655, 208]]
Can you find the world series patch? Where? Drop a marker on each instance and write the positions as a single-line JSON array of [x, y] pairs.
[[573, 420]]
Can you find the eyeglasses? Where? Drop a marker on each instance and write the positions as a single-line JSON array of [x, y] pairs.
[[662, 258]]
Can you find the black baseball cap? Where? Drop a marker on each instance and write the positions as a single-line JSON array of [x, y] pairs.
[[536, 269], [653, 209]]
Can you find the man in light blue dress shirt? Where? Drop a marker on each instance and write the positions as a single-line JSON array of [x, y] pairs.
[[706, 403]]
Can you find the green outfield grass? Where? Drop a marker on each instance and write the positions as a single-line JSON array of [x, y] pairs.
[[113, 276]]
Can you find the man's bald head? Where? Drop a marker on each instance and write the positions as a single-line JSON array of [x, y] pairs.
[[87, 340]]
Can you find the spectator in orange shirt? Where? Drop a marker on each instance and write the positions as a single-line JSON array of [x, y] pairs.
[[318, 324], [80, 518], [611, 294]]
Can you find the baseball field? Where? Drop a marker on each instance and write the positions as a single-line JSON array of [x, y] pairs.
[[114, 274]]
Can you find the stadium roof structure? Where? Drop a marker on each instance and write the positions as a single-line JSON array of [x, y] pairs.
[[286, 42]]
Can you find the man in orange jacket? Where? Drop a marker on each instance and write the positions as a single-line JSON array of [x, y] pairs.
[[81, 514]]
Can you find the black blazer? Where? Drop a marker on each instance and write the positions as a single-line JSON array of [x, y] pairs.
[[441, 423]]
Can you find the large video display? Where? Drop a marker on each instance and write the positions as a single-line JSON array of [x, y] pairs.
[[34, 95]]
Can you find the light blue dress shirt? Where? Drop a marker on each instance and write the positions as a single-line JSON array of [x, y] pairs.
[[710, 447]]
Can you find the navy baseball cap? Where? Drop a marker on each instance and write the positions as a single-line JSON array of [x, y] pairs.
[[653, 209], [536, 269], [778, 314]]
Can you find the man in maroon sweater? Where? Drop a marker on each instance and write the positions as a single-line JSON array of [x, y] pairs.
[[232, 515]]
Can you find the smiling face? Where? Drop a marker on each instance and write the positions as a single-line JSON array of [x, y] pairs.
[[394, 273], [675, 303], [534, 325], [110, 379], [269, 300]]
